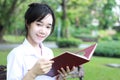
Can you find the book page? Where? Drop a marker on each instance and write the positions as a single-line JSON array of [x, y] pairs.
[[80, 54], [89, 51]]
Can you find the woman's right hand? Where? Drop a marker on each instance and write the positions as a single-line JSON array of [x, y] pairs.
[[42, 66]]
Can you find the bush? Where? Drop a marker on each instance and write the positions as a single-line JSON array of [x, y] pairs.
[[13, 38], [108, 49], [80, 31], [87, 38], [71, 42], [51, 38], [116, 36]]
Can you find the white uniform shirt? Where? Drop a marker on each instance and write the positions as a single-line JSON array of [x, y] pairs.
[[23, 58]]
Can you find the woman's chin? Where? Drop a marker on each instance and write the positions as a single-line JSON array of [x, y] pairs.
[[39, 41]]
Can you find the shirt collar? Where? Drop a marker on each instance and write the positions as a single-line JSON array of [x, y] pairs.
[[26, 42], [30, 48]]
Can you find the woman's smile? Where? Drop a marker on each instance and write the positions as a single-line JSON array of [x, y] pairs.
[[40, 36]]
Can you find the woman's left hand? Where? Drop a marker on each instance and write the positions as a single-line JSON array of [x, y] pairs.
[[65, 72]]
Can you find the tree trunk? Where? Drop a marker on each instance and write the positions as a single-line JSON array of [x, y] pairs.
[[64, 9], [1, 34], [64, 31]]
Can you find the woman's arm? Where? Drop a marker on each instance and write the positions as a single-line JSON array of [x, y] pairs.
[[29, 76]]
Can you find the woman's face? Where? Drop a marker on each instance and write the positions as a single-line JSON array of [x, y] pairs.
[[38, 31]]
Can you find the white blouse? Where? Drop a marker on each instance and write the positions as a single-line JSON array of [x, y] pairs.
[[23, 58]]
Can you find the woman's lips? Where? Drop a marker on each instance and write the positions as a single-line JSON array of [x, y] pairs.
[[40, 36]]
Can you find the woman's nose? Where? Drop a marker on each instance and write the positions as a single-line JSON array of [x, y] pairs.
[[42, 30]]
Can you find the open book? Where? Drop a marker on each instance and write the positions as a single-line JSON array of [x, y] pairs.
[[71, 59]]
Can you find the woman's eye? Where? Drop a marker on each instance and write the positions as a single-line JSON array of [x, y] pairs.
[[48, 27], [39, 24]]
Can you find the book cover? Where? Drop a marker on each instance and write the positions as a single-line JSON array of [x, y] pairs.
[[71, 59]]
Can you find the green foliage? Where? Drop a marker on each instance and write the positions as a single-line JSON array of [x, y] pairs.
[[108, 18], [71, 42], [13, 39], [116, 36], [12, 15], [105, 38], [66, 28], [84, 34], [79, 14], [108, 49], [78, 9], [8, 8], [81, 31], [51, 38], [108, 35]]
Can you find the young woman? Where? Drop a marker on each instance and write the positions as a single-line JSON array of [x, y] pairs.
[[31, 59]]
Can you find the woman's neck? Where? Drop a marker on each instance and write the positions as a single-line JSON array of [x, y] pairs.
[[33, 43]]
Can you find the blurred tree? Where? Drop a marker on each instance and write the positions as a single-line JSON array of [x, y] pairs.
[[62, 14], [108, 18], [12, 16], [7, 10], [103, 11], [80, 12], [76, 12]]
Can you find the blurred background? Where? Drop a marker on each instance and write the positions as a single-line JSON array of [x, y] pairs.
[[79, 23]]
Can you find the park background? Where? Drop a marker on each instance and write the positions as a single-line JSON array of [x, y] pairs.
[[78, 24]]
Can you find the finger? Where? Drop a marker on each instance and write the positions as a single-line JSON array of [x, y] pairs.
[[45, 62], [47, 69], [73, 67], [49, 62], [60, 73], [47, 66], [63, 70], [68, 69]]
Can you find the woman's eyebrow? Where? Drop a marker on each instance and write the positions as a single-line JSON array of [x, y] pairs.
[[40, 21], [50, 24], [47, 24]]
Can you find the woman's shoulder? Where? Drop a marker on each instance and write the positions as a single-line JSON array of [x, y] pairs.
[[17, 50]]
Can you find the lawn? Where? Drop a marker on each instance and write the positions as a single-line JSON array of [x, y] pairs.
[[94, 70]]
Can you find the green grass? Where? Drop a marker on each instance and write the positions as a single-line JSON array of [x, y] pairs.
[[3, 56], [94, 70]]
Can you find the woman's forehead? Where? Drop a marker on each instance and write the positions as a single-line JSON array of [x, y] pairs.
[[47, 19]]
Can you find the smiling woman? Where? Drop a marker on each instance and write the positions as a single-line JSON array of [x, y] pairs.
[[31, 60]]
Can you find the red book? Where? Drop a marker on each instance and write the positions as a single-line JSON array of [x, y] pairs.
[[71, 59]]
